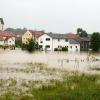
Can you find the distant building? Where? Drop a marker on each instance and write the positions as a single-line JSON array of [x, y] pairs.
[[84, 41], [31, 34], [7, 38]]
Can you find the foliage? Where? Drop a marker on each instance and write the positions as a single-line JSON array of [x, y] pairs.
[[17, 30], [18, 43], [95, 41], [61, 49], [73, 87], [81, 32], [31, 45], [64, 49]]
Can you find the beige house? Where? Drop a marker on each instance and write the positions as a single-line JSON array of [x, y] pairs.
[[7, 38], [31, 34]]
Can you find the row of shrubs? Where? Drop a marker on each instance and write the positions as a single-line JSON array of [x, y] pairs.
[[61, 49]]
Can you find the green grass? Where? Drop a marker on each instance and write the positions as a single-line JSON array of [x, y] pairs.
[[73, 87]]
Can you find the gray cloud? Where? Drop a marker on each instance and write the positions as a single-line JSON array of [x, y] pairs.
[[52, 15]]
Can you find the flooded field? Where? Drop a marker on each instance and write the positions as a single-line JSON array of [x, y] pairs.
[[63, 60], [19, 70]]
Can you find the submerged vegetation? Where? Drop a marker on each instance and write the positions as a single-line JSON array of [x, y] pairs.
[[55, 84], [75, 87]]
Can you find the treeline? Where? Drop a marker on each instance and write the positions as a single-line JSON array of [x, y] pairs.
[[94, 38], [17, 30]]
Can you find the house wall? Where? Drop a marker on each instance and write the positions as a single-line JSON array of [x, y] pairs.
[[10, 41], [26, 36], [56, 43], [74, 47], [1, 42], [62, 43], [43, 43], [59, 43]]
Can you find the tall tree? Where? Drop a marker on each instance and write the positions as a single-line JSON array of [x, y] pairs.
[[95, 41], [81, 32]]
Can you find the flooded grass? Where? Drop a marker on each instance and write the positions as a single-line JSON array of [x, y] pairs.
[[30, 80], [75, 87]]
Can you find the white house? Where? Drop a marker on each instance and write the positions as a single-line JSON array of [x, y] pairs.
[[50, 41]]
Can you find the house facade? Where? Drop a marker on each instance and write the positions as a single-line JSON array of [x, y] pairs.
[[51, 41], [31, 34], [7, 38]]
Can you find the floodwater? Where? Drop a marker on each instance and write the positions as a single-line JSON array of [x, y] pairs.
[[62, 60]]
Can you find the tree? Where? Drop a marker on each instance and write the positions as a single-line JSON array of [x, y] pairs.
[[95, 41], [31, 45], [81, 32], [18, 43]]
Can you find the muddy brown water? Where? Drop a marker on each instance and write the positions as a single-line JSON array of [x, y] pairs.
[[67, 60]]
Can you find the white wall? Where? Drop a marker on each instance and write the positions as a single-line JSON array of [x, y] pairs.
[[1, 42], [44, 42], [59, 43], [11, 41], [72, 47], [54, 43]]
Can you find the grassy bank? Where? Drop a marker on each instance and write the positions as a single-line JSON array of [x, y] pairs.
[[73, 87]]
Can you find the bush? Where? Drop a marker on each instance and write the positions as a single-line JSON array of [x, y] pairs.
[[55, 49], [61, 49], [31, 45], [64, 49]]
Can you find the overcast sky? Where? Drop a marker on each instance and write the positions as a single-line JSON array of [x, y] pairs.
[[52, 15]]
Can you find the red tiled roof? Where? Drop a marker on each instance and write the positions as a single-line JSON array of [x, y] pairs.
[[6, 34], [84, 39], [71, 35], [37, 34]]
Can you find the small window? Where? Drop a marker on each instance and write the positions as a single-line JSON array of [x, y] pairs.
[[40, 46], [47, 39], [41, 41], [71, 47], [47, 46], [76, 46], [58, 46], [66, 40], [58, 40]]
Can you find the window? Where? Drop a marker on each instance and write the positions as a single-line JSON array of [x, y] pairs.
[[47, 39], [76, 46], [58, 46], [47, 46], [41, 41], [58, 40], [66, 40], [71, 47], [67, 46], [40, 46]]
